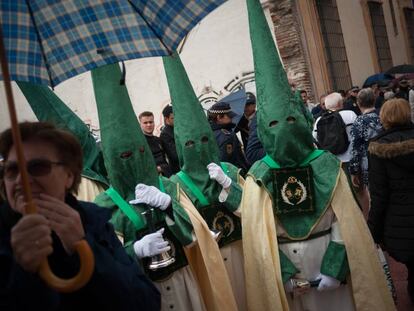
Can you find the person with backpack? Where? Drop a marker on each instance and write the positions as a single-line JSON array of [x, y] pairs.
[[332, 130]]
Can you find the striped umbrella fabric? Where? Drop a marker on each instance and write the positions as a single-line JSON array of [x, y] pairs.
[[49, 41]]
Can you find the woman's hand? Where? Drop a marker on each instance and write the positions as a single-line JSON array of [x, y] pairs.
[[63, 220], [31, 241]]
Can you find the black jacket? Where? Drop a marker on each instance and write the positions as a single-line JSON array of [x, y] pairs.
[[391, 185], [244, 129], [351, 104], [116, 284], [168, 144], [158, 153]]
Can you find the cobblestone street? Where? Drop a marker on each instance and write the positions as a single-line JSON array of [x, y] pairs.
[[399, 275]]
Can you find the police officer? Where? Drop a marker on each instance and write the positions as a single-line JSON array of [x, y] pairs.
[[220, 118], [244, 124]]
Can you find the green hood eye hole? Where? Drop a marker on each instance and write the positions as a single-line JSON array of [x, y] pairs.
[[189, 143], [126, 154], [142, 149], [291, 120], [273, 123], [204, 139]]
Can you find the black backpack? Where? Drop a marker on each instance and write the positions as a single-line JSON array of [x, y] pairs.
[[331, 133]]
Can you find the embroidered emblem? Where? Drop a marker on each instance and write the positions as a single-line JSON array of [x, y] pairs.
[[293, 191], [223, 223]]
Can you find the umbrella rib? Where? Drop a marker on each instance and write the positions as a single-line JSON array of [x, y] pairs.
[[149, 25], [42, 51]]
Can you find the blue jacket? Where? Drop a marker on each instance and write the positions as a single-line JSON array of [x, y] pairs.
[[229, 146], [254, 149], [116, 284]]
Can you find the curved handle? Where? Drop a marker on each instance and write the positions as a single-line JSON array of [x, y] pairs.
[[87, 264]]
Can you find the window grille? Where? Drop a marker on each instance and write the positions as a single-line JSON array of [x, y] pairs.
[[380, 35], [409, 20], [337, 61]]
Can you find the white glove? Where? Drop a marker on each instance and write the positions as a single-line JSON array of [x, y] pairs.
[[327, 283], [218, 175], [150, 245], [152, 196]]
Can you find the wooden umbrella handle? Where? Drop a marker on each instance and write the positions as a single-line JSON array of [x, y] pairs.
[[84, 251], [87, 264]]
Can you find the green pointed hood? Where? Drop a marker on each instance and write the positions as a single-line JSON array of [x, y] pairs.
[[128, 158], [47, 106], [194, 139], [282, 127]]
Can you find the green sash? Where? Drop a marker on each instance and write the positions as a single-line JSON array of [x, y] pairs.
[[133, 216]]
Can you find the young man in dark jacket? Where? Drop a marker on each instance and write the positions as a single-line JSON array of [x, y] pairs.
[[146, 120], [168, 140]]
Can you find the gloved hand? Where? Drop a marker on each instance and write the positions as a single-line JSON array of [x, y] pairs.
[[150, 245], [152, 196], [327, 283], [218, 175]]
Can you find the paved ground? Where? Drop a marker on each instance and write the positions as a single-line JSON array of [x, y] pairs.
[[399, 276]]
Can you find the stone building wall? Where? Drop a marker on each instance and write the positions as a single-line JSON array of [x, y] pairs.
[[288, 36]]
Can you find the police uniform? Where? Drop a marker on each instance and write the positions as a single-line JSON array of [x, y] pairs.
[[227, 141]]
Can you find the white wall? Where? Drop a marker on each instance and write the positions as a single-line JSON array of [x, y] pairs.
[[397, 42], [215, 52], [356, 40]]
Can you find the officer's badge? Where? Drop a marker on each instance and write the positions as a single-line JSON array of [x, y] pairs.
[[229, 148], [293, 191], [224, 224]]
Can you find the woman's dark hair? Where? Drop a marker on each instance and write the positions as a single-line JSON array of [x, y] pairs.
[[66, 145]]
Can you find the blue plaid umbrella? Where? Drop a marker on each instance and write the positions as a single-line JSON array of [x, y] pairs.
[[49, 41]]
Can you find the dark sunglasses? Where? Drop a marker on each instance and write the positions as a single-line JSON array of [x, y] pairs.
[[35, 167]]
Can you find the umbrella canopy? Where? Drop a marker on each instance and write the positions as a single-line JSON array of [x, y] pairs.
[[48, 42], [401, 69], [382, 79]]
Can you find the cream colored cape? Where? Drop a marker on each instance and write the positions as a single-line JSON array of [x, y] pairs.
[[206, 262], [88, 190], [264, 286]]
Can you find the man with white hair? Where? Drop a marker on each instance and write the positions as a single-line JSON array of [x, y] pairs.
[[332, 130]]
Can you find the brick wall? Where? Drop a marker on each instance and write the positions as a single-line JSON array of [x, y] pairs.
[[287, 30]]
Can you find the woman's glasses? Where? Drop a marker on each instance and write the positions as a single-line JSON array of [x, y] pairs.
[[35, 167]]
